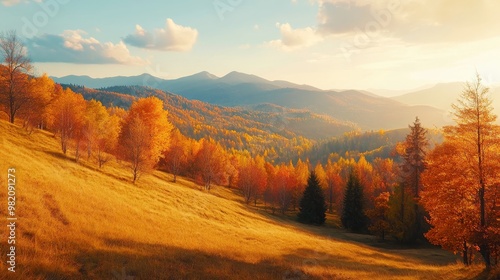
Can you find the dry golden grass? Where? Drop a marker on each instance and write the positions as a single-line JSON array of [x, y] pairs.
[[78, 222]]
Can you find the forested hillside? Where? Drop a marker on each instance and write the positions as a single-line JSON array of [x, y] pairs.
[[272, 130]]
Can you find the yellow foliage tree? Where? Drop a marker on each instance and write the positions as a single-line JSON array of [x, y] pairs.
[[67, 116]]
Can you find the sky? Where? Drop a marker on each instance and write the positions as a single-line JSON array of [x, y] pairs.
[[330, 44]]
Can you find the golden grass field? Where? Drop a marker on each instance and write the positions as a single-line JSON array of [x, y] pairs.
[[79, 222]]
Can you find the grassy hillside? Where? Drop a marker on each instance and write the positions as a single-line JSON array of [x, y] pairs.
[[77, 222]]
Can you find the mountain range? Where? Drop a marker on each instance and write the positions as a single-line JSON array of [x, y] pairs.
[[365, 109]]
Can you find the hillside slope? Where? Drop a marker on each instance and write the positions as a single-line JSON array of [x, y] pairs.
[[77, 222]]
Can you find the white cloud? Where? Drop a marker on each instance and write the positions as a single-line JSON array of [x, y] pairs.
[[293, 39], [173, 37], [73, 47]]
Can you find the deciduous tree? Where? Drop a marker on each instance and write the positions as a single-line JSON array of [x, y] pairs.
[[41, 91], [402, 215], [67, 115], [252, 177], [175, 157], [450, 200], [210, 163], [379, 216], [475, 140], [14, 81], [145, 135], [100, 131]]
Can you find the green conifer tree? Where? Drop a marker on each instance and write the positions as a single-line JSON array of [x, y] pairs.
[[353, 216], [312, 205]]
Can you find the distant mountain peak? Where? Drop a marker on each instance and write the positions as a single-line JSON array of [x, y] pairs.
[[236, 77], [206, 75], [201, 76]]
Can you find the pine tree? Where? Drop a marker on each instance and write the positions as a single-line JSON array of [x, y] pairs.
[[353, 216], [416, 144], [312, 205], [414, 164]]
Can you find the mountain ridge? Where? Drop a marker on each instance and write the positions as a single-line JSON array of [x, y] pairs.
[[236, 89]]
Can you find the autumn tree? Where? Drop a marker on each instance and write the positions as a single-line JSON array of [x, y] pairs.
[[365, 174], [333, 181], [100, 131], [175, 157], [270, 196], [450, 200], [252, 177], [301, 175], [42, 90], [210, 163], [320, 172], [353, 215], [145, 135], [402, 215], [384, 175], [67, 116], [475, 140], [312, 207], [14, 81], [285, 181], [379, 216]]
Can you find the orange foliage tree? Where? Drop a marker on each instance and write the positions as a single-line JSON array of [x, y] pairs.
[[175, 157], [379, 215], [334, 184], [450, 201], [210, 163], [42, 91], [252, 177], [145, 135], [473, 147]]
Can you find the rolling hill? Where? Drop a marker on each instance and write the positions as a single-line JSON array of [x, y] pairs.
[[368, 111], [79, 222]]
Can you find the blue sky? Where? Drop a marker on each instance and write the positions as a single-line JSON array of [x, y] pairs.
[[331, 44]]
